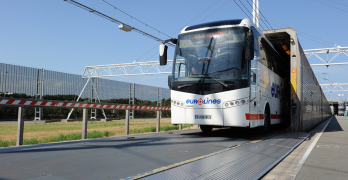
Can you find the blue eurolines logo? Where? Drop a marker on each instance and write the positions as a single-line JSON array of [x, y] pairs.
[[203, 101], [275, 90]]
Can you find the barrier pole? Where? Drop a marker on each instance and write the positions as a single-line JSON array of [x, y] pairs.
[[20, 127], [180, 127], [127, 122], [158, 121], [84, 123]]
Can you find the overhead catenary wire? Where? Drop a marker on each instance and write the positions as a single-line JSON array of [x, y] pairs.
[[331, 6], [195, 17], [302, 32], [115, 21], [215, 10], [179, 30], [260, 13], [147, 25], [339, 3], [245, 12], [251, 13], [303, 35]]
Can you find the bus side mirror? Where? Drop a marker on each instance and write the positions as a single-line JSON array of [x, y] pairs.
[[170, 81], [249, 46], [163, 54]]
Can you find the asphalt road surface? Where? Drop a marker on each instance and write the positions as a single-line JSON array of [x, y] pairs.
[[118, 157]]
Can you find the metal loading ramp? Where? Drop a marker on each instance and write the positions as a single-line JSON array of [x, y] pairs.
[[309, 106], [249, 161]]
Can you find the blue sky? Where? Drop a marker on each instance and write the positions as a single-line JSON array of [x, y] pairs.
[[56, 35]]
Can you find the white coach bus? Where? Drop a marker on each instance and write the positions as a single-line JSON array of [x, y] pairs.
[[227, 74]]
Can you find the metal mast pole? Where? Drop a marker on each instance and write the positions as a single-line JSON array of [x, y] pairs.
[[39, 93], [256, 12]]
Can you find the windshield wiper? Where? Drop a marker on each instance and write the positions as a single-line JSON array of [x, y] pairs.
[[211, 54], [185, 85], [220, 82]]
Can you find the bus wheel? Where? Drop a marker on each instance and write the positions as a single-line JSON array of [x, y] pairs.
[[206, 129], [267, 121]]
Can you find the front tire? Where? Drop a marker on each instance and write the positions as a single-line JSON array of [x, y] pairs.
[[206, 129], [267, 121]]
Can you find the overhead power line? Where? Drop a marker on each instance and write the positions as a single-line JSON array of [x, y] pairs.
[[245, 12], [136, 19], [196, 17], [331, 6], [339, 3], [303, 33], [177, 31], [215, 10], [115, 21], [260, 12]]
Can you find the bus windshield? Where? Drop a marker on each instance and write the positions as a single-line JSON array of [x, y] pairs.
[[213, 56]]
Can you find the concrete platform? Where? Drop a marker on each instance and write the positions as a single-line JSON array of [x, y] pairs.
[[324, 155], [117, 157]]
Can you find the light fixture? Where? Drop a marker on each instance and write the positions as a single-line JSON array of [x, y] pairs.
[[125, 27], [291, 39]]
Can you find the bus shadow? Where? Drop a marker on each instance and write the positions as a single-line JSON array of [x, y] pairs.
[[333, 126]]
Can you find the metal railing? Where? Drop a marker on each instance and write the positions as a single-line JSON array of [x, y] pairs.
[[25, 103], [33, 83]]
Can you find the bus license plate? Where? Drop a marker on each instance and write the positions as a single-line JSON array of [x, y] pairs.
[[202, 116]]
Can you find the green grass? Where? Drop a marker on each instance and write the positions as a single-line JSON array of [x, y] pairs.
[[90, 135], [61, 137], [153, 129]]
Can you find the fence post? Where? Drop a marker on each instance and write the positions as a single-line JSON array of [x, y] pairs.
[[127, 122], [84, 123], [20, 127], [180, 127], [158, 121]]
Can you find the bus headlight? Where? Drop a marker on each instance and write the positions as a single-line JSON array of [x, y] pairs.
[[242, 101], [226, 104], [237, 102], [231, 103]]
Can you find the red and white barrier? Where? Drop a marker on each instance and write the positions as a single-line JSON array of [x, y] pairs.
[[63, 104]]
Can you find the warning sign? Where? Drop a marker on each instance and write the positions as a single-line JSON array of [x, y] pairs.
[[293, 96], [293, 83]]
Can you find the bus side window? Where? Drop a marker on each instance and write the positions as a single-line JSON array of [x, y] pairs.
[[269, 55], [263, 56], [256, 42]]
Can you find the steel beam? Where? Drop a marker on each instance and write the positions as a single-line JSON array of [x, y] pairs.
[[127, 69], [329, 64]]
